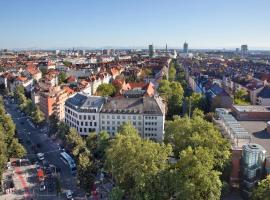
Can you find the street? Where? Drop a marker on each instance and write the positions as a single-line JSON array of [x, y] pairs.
[[36, 136]]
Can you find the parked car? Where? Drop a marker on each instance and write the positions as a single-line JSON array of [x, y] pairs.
[[40, 156]]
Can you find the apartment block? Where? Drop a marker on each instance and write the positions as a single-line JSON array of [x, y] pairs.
[[93, 114]]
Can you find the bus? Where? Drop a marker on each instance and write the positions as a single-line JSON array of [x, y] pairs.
[[69, 161]]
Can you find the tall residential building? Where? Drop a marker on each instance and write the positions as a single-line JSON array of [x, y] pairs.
[[185, 47], [93, 114], [52, 101], [253, 157], [244, 49], [151, 50]]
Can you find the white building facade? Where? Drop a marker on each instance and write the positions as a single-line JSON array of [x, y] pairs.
[[146, 114]]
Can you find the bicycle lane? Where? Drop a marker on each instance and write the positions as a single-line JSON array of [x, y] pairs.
[[23, 182]]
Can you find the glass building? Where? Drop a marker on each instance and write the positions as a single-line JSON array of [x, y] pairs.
[[253, 157]]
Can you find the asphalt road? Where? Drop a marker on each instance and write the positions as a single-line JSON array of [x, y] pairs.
[[27, 131]]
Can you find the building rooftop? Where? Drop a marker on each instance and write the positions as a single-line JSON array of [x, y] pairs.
[[143, 105], [258, 133], [84, 102], [252, 108]]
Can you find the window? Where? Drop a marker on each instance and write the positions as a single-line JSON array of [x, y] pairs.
[[108, 117], [93, 117], [118, 116], [85, 130], [113, 117], [123, 117], [84, 117], [139, 117], [86, 123], [113, 128], [139, 123], [134, 117], [108, 122], [129, 117], [95, 123], [80, 117], [103, 127], [81, 123], [89, 117], [90, 123], [80, 130], [103, 122], [134, 123], [113, 122], [118, 123]]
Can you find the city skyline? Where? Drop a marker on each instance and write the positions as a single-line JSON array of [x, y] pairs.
[[96, 24]]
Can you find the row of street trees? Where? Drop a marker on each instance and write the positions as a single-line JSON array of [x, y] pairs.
[[9, 144], [27, 106]]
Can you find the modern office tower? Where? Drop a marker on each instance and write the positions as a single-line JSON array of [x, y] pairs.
[[244, 49], [253, 157], [151, 50], [185, 48]]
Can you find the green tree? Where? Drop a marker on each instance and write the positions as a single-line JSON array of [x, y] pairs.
[[197, 178], [62, 131], [75, 142], [16, 150], [116, 194], [172, 93], [197, 132], [132, 159], [241, 97], [172, 71], [37, 115], [62, 77], [106, 89], [196, 100], [86, 170], [262, 191]]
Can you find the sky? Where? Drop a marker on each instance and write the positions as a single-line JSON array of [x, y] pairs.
[[134, 23]]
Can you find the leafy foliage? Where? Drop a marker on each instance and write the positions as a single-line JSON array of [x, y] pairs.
[[28, 106], [9, 145], [241, 97], [106, 89], [132, 159], [197, 132], [262, 191], [171, 92], [62, 77]]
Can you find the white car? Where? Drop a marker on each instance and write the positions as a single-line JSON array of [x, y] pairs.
[[42, 187], [40, 156], [69, 195]]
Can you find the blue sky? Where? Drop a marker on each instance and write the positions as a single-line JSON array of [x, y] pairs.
[[132, 23]]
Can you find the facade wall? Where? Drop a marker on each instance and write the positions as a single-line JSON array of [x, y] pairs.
[[84, 123], [148, 126]]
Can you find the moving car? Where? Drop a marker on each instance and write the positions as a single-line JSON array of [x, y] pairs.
[[69, 195], [42, 187]]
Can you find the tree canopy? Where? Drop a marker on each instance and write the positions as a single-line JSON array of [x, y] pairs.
[[132, 159], [106, 89], [197, 132], [172, 93], [262, 191]]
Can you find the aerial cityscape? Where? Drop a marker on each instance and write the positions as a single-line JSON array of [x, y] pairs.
[[134, 100]]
